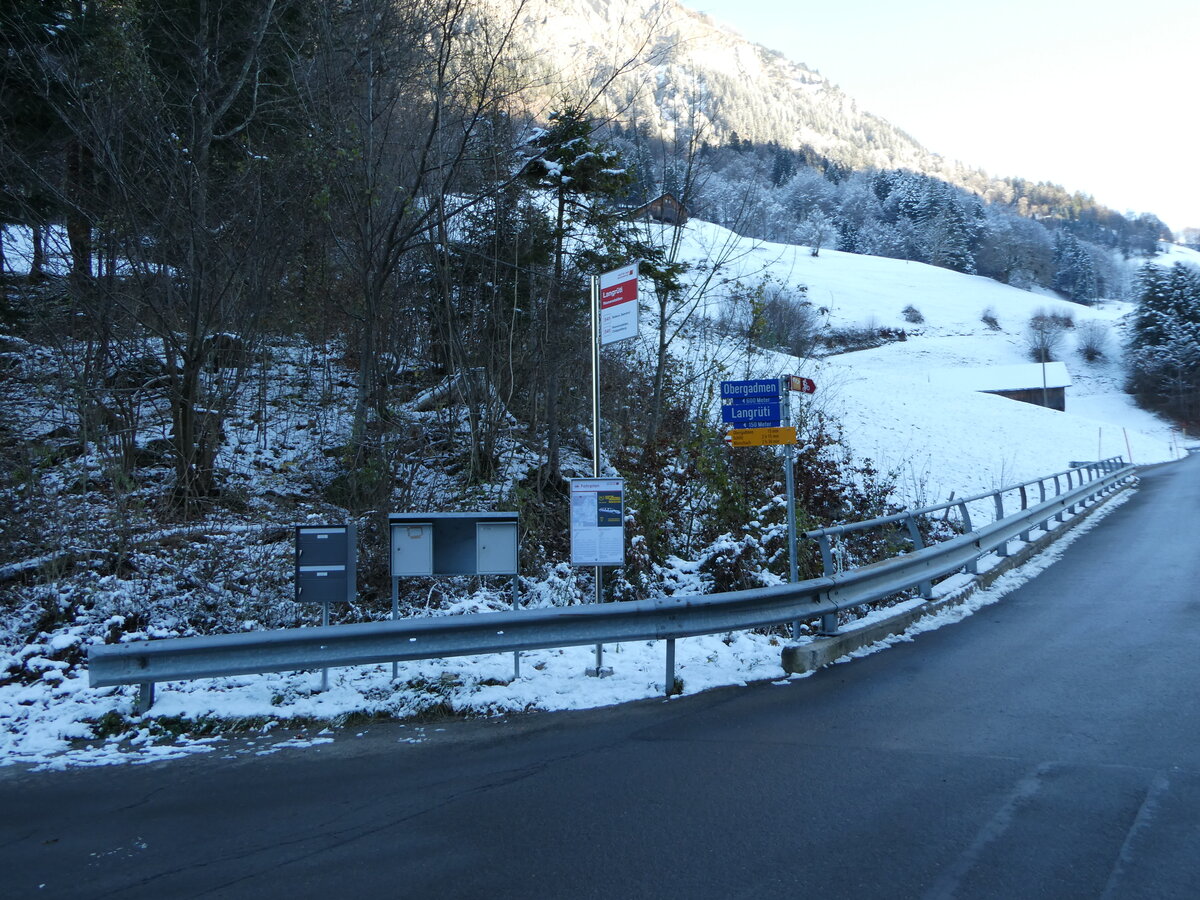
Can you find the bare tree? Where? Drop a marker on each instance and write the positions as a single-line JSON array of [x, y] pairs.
[[173, 111], [401, 93], [1044, 335], [1092, 339], [816, 231]]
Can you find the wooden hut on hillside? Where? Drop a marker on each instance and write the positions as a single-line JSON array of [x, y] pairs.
[[1042, 384], [664, 208]]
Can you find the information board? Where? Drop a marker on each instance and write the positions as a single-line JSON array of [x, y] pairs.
[[619, 304], [597, 521], [761, 437]]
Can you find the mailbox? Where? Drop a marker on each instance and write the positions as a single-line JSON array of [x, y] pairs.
[[496, 548], [323, 545], [426, 544], [412, 549], [326, 563], [314, 585]]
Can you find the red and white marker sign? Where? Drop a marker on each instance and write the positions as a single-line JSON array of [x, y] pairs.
[[802, 384], [618, 304]]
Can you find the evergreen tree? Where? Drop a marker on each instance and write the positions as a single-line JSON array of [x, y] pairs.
[[579, 174], [783, 167], [1165, 343], [32, 132], [1074, 272], [950, 239]]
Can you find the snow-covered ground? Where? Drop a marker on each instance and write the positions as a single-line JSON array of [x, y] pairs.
[[895, 403], [52, 726]]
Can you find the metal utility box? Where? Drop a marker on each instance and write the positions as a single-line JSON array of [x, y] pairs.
[[412, 549], [326, 563], [324, 545], [454, 543], [496, 548], [315, 585]]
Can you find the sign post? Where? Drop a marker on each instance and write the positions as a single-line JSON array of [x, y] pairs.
[[614, 318], [789, 480], [760, 411], [803, 386]]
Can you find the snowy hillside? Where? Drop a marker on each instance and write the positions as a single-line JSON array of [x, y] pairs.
[[894, 401], [1173, 253]]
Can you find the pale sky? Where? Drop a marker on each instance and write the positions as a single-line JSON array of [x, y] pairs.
[[1099, 96]]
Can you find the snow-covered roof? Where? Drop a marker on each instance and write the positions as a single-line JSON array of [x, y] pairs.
[[1005, 378]]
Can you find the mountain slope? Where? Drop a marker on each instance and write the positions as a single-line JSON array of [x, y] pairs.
[[683, 70]]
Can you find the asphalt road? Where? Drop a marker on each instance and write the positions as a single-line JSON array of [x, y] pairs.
[[1048, 746]]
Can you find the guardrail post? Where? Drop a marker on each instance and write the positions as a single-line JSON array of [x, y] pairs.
[[829, 621], [1045, 523], [669, 688], [516, 597], [829, 624], [914, 532], [1024, 535], [973, 566], [145, 698], [1058, 516], [826, 554], [1002, 549]]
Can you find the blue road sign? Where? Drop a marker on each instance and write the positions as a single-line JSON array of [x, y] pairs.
[[755, 415], [754, 389]]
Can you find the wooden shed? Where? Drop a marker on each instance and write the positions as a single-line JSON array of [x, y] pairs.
[[663, 208], [1042, 384]]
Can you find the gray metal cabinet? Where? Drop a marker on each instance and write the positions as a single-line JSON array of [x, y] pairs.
[[496, 548], [412, 549], [326, 563], [454, 543]]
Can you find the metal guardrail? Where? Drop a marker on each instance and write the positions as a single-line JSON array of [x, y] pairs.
[[1080, 473], [665, 618]]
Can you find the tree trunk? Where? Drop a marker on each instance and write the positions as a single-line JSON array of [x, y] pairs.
[[553, 330], [660, 366], [37, 265], [79, 229]]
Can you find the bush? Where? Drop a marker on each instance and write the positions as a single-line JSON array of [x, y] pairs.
[[1044, 335], [789, 323], [912, 314], [1064, 319], [862, 337], [772, 316], [988, 318], [1092, 340]]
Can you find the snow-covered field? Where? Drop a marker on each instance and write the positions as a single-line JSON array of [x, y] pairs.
[[896, 403]]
